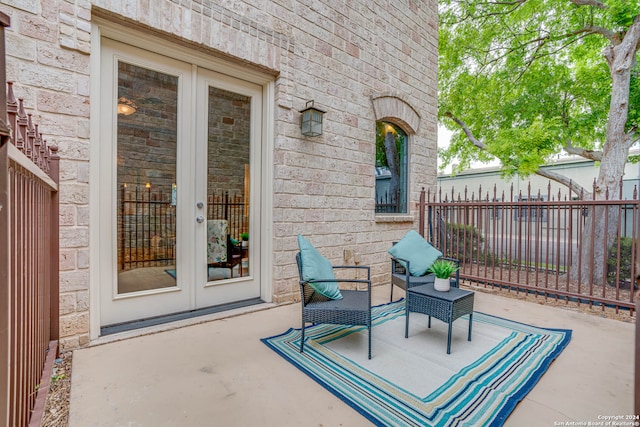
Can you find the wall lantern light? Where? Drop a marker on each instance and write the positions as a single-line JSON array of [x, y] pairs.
[[126, 107], [311, 120]]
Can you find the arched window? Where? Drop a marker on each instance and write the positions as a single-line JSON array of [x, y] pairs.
[[391, 168]]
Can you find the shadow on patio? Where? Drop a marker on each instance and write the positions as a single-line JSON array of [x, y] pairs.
[[219, 373]]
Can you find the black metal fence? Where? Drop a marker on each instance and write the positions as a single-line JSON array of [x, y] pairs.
[[146, 228], [232, 208], [147, 224], [389, 202]]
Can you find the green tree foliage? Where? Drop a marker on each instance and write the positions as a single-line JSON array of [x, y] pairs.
[[522, 80], [381, 132], [620, 256]]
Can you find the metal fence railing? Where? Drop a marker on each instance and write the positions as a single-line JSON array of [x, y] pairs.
[[636, 387], [146, 228], [29, 242], [388, 202], [233, 208], [147, 224], [557, 246]]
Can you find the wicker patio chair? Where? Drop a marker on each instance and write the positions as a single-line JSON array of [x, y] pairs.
[[402, 278], [353, 309]]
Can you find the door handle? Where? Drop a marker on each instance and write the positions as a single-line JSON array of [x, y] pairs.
[[199, 219]]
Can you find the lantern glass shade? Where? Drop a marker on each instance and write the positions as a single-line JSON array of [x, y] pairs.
[[311, 120], [126, 107]]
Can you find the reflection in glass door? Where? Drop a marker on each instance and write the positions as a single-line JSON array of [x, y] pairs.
[[228, 154], [179, 149], [146, 178], [228, 160]]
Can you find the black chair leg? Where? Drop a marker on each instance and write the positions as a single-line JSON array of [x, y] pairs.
[[369, 340], [302, 338], [406, 322]]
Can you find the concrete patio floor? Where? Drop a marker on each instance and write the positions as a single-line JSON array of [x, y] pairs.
[[214, 371]]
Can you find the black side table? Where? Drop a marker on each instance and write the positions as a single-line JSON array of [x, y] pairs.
[[445, 306]]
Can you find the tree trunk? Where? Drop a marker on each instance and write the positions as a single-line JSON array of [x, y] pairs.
[[393, 161], [603, 223]]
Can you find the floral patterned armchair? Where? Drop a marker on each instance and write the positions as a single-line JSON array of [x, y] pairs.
[[216, 241], [221, 252]]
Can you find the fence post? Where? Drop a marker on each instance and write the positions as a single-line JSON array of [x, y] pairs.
[[4, 128], [5, 276], [637, 359], [54, 307], [637, 295], [5, 134]]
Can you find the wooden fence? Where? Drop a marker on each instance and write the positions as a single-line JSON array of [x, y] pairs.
[[29, 283]]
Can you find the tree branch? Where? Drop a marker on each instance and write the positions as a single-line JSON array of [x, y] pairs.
[[540, 42], [631, 137], [594, 3], [508, 3], [536, 56], [475, 141], [632, 36], [612, 36], [541, 171], [596, 156], [561, 179]]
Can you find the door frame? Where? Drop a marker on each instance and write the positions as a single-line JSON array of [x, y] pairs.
[[105, 28], [124, 307], [208, 293]]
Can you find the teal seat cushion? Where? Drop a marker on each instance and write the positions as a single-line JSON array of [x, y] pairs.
[[420, 254], [317, 267]]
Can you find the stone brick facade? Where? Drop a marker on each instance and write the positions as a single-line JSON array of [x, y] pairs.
[[228, 142], [360, 60]]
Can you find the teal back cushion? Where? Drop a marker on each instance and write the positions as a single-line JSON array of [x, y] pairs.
[[317, 267], [420, 254]]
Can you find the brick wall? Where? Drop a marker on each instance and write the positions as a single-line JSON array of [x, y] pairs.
[[344, 55], [146, 145], [229, 120]]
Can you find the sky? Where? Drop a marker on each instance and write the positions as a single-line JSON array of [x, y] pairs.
[[444, 136]]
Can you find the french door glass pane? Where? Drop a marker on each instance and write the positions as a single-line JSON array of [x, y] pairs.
[[146, 178], [228, 148]]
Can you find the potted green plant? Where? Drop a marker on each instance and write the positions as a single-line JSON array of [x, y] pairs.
[[245, 239], [443, 269]]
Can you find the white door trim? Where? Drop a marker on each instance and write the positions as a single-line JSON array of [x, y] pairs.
[[117, 307], [266, 220], [94, 177], [239, 288], [100, 28]]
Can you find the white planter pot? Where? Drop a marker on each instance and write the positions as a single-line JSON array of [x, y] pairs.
[[441, 285]]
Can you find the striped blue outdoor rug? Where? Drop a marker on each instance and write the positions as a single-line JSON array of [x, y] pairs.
[[413, 382]]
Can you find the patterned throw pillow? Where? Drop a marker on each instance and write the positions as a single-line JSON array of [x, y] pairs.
[[420, 254], [317, 267]]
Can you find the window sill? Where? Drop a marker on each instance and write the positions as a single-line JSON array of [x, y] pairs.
[[394, 218]]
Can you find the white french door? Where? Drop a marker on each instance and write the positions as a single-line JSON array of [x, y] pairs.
[[228, 124], [180, 155]]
